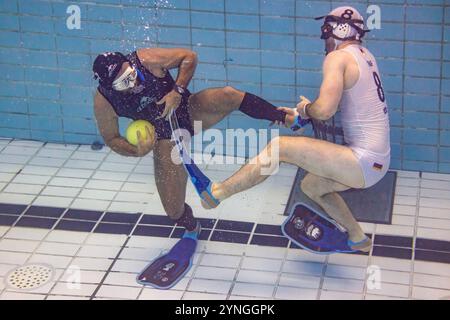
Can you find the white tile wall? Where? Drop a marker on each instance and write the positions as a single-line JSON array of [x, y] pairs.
[[104, 185], [47, 162], [398, 277], [54, 248], [437, 234], [154, 294], [253, 290], [61, 262], [122, 279], [438, 282], [52, 201], [434, 213], [299, 281], [21, 296], [346, 285], [380, 297], [289, 293], [98, 251], [303, 255], [336, 295], [220, 261], [97, 194], [103, 239], [3, 230], [59, 297], [432, 268], [392, 290], [130, 266], [214, 273], [140, 254], [66, 236], [392, 264], [5, 269], [109, 291], [6, 177], [61, 191], [435, 176], [67, 182], [85, 276], [83, 289], [430, 294], [18, 245], [86, 204], [203, 296], [344, 259], [81, 164], [308, 268], [23, 188], [210, 286], [345, 272], [91, 263], [26, 233], [404, 210], [261, 264], [260, 277], [9, 257]]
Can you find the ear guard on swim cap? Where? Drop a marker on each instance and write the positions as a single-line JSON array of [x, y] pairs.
[[107, 66], [339, 27]]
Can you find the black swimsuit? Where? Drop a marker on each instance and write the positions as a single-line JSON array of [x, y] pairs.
[[142, 105]]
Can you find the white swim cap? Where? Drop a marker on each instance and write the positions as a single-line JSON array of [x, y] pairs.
[[343, 24]]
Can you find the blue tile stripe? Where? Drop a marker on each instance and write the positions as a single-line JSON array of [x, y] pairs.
[[212, 230]]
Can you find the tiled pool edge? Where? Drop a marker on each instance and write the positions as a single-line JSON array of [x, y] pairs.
[[217, 230]]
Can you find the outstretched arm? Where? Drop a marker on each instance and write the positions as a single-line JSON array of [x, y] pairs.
[[326, 105], [158, 60]]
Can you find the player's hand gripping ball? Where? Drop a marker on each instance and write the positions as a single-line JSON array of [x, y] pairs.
[[141, 133]]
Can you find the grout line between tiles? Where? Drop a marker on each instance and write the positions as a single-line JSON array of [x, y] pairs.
[[99, 285], [28, 206], [202, 253], [280, 272], [322, 277], [369, 261], [194, 271], [416, 226], [60, 218], [236, 274]]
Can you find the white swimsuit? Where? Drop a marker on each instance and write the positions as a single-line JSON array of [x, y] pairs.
[[364, 118]]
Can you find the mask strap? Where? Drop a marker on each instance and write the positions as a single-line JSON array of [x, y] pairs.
[[352, 22]]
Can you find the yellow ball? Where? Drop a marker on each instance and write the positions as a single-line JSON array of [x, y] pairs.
[[139, 125]]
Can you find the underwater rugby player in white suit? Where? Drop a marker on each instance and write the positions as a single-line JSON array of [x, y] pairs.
[[351, 82]]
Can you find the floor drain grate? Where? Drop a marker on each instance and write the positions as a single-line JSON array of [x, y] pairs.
[[29, 277]]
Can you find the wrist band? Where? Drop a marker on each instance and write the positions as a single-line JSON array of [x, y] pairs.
[[179, 89]]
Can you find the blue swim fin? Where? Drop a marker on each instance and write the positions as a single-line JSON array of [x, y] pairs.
[[167, 270], [202, 185], [315, 232], [299, 123], [201, 182], [352, 244]]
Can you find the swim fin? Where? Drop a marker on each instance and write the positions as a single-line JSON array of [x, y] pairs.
[[315, 232], [168, 269], [201, 182], [299, 122]]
